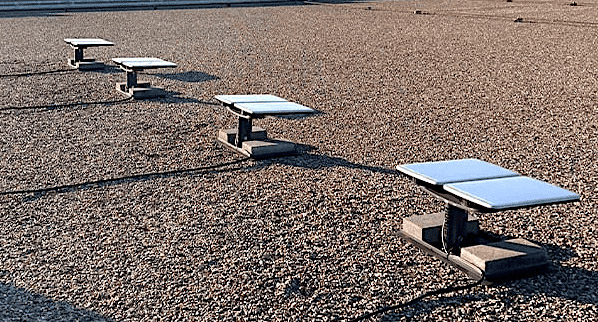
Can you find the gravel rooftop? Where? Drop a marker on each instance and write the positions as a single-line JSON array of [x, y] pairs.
[[309, 237]]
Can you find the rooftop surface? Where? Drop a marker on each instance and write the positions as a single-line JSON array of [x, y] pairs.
[[142, 230]]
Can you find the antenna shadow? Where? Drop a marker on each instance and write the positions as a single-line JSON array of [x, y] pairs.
[[306, 160], [58, 12], [32, 13], [559, 281], [17, 302]]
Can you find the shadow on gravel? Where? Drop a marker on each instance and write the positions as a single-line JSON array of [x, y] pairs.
[[189, 76], [17, 304], [122, 6], [134, 7], [316, 113], [306, 160], [559, 281], [562, 281], [29, 13], [334, 1]]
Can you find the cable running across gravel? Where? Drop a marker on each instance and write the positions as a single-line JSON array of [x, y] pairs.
[[444, 290], [54, 71], [52, 106], [100, 182]]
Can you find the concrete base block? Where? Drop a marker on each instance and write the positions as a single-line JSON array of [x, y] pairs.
[[229, 135], [259, 149], [428, 227], [143, 90], [269, 148], [147, 92], [122, 86], [507, 259]]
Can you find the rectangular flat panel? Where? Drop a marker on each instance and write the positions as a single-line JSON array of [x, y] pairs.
[[88, 42], [443, 172], [233, 99], [512, 192], [139, 63], [274, 108]]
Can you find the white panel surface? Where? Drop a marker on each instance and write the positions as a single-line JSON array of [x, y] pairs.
[[233, 99], [143, 62], [443, 172], [510, 192], [88, 42], [274, 108]]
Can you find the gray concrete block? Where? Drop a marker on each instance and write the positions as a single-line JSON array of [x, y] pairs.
[[228, 135], [264, 149], [122, 86], [147, 92], [428, 227], [86, 64], [507, 259]]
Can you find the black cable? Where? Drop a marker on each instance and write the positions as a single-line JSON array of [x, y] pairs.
[[53, 106], [38, 73], [123, 179], [419, 298]]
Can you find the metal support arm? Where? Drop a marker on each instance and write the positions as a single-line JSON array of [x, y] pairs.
[[78, 55], [243, 130], [453, 228], [131, 79]]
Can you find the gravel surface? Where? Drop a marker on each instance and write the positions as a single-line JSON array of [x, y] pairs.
[[304, 238]]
